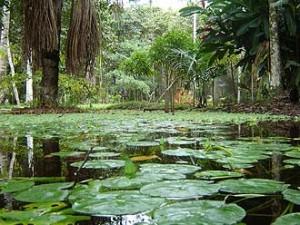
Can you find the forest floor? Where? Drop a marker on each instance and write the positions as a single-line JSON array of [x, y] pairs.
[[278, 106]]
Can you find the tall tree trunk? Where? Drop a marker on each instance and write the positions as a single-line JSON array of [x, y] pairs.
[[3, 60], [50, 67], [13, 73], [6, 44], [275, 57], [194, 28], [239, 85], [29, 82], [167, 94]]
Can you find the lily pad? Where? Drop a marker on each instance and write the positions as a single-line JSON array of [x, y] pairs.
[[199, 213], [181, 189], [46, 207], [66, 154], [294, 153], [181, 141], [45, 193], [16, 186], [168, 168], [34, 218], [292, 196], [100, 164], [141, 179], [292, 162], [217, 175], [95, 149], [185, 152], [252, 186], [104, 154], [143, 144], [289, 219], [117, 203]]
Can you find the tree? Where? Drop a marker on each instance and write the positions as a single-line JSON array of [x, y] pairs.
[[245, 28], [275, 57], [170, 65], [6, 48], [42, 29]]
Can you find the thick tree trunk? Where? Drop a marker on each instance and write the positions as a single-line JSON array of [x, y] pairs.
[[275, 57], [49, 83], [50, 67]]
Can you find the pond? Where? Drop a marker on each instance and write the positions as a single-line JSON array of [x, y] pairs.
[[124, 168]]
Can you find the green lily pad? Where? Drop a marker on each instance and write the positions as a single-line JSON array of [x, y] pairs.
[[66, 154], [185, 152], [289, 219], [100, 164], [203, 212], [181, 141], [45, 193], [217, 175], [252, 186], [168, 168], [42, 180], [104, 154], [292, 162], [141, 179], [34, 218], [95, 149], [16, 186], [292, 196], [181, 189], [117, 203], [294, 153], [45, 207], [143, 144]]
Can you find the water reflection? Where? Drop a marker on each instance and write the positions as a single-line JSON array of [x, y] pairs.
[[29, 156]]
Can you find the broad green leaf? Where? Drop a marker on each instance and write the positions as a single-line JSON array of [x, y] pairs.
[[181, 189], [16, 186], [202, 212], [45, 193], [168, 168], [292, 196], [217, 175], [117, 203], [100, 164], [289, 219], [252, 186]]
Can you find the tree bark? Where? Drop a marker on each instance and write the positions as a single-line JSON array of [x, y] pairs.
[[50, 67], [275, 56], [6, 48], [13, 73], [29, 82], [239, 85], [3, 60]]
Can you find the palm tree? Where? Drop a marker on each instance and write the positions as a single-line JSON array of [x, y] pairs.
[[42, 36]]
